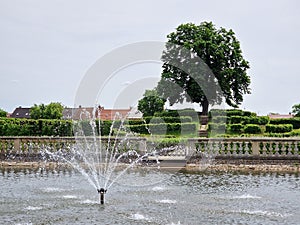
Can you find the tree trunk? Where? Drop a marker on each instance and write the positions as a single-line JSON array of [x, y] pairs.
[[205, 105]]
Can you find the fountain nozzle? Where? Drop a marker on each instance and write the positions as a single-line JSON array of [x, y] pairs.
[[101, 192]]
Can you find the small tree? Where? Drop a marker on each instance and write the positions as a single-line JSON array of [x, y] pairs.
[[51, 111], [3, 113], [296, 110], [151, 103]]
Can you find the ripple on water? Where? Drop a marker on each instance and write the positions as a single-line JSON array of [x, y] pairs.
[[245, 196], [264, 213], [33, 208], [167, 201], [138, 216]]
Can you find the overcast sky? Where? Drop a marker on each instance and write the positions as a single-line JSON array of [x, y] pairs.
[[46, 47]]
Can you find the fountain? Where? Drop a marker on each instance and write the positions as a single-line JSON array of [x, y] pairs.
[[102, 160]]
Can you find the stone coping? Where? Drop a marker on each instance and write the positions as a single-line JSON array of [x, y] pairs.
[[217, 166]]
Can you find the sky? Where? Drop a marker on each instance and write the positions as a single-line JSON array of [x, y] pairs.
[[47, 47]]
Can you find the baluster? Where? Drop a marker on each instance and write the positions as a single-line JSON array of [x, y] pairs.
[[241, 148], [264, 149], [289, 148], [222, 148], [247, 149], [297, 150], [235, 148], [277, 149]]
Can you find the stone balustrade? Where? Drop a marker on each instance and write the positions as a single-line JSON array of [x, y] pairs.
[[245, 147], [29, 148]]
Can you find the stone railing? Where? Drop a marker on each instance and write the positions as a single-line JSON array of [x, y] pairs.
[[29, 148], [245, 147]]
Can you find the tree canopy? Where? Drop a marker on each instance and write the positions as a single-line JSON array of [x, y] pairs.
[[296, 110], [3, 113], [219, 72], [51, 111], [151, 103]]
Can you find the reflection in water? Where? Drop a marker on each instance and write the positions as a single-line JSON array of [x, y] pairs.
[[41, 196]]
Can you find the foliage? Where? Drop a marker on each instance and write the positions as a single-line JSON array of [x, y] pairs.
[[252, 129], [3, 113], [164, 128], [217, 127], [179, 113], [294, 121], [30, 127], [261, 120], [182, 119], [280, 128], [151, 103], [51, 111], [236, 128], [219, 119], [221, 57], [296, 110]]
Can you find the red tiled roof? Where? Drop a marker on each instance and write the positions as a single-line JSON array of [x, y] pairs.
[[280, 116], [87, 112]]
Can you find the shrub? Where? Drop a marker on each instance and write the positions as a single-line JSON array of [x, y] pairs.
[[236, 128], [182, 119], [294, 121], [217, 112], [261, 120], [280, 128], [217, 127], [234, 112], [219, 119], [237, 119], [178, 113], [30, 127], [252, 129]]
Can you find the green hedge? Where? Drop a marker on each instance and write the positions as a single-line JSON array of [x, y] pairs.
[[219, 119], [252, 129], [236, 128], [156, 120], [261, 120], [31, 127], [164, 128], [294, 121], [279, 128], [217, 127], [178, 113]]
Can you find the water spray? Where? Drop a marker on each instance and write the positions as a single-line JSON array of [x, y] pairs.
[[101, 192]]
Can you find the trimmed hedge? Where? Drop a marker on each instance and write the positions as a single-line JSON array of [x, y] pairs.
[[261, 120], [252, 129], [236, 128], [178, 113], [31, 127], [279, 128], [217, 127], [219, 119], [155, 120], [294, 121], [164, 128]]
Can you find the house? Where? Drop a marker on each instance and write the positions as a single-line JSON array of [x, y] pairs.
[[100, 112], [280, 116], [21, 113]]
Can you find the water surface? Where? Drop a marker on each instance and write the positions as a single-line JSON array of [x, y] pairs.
[[65, 197]]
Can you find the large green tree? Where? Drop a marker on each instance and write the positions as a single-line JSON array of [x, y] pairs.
[[151, 103], [51, 111], [206, 55]]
